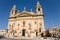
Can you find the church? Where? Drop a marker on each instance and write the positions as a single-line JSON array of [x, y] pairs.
[[25, 24]]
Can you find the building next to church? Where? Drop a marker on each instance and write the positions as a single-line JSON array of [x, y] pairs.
[[55, 31], [25, 24], [2, 32]]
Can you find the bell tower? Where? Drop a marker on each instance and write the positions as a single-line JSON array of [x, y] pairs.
[[13, 11], [38, 8]]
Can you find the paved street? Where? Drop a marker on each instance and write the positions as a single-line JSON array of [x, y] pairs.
[[30, 39]]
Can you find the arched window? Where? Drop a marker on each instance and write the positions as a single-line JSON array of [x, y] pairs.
[[39, 29], [40, 24], [29, 25], [18, 24], [38, 9], [14, 23], [12, 12], [23, 23], [35, 22]]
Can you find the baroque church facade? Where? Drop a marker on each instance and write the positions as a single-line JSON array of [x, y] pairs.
[[26, 24]]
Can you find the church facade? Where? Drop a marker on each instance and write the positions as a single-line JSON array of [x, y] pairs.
[[26, 24]]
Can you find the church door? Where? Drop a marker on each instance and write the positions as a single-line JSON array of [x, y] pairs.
[[23, 32]]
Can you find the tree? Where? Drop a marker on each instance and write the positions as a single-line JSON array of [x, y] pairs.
[[48, 34], [42, 34]]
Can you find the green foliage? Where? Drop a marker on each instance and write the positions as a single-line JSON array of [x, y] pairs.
[[42, 34], [48, 34]]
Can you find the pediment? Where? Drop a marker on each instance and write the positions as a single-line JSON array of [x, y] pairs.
[[23, 14], [27, 14]]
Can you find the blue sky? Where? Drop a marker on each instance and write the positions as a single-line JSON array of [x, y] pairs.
[[51, 10]]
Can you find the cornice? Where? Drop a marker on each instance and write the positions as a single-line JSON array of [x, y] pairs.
[[26, 15]]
